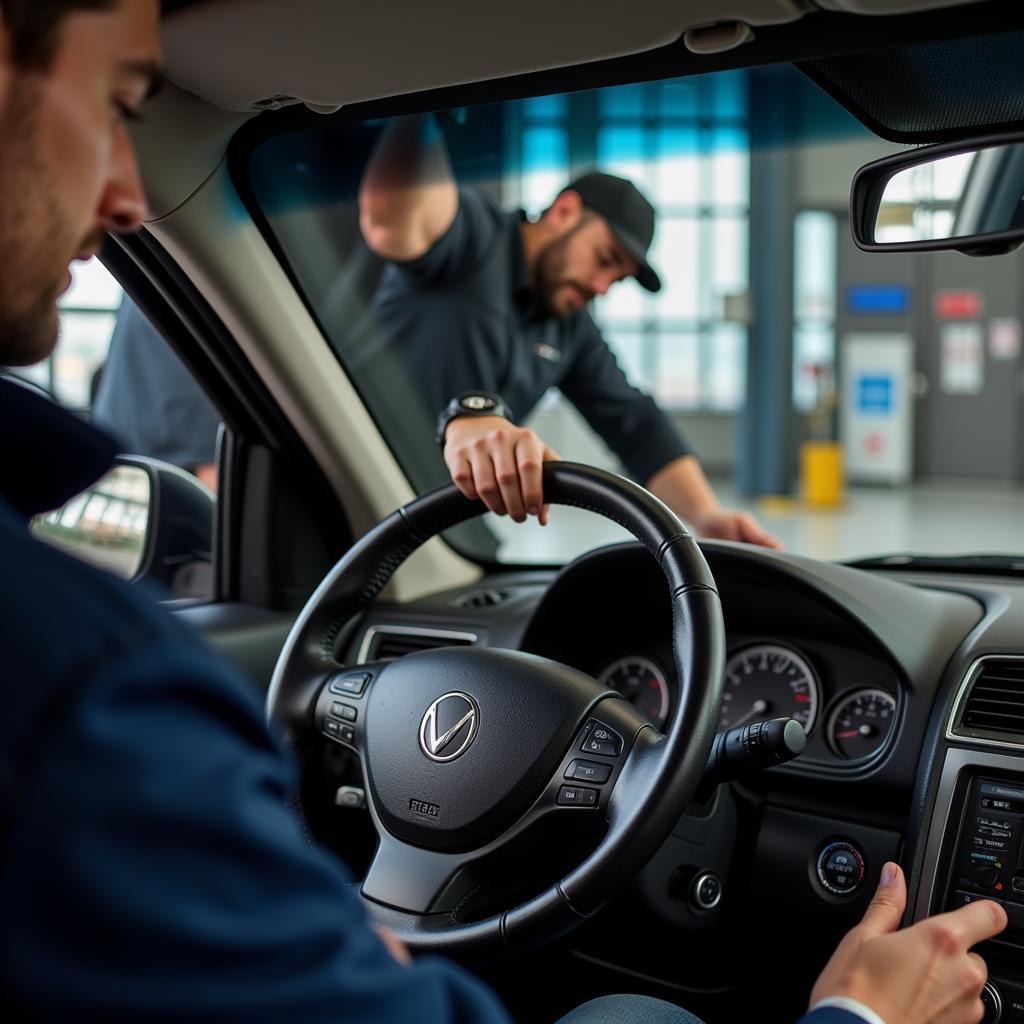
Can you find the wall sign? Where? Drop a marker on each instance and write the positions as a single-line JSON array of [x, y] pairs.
[[961, 359], [958, 305]]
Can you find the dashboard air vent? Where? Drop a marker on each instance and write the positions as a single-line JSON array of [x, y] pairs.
[[995, 701], [385, 643], [482, 599]]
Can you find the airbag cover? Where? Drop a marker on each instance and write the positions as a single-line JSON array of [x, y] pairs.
[[529, 710]]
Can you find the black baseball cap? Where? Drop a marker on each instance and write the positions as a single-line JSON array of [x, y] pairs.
[[629, 215]]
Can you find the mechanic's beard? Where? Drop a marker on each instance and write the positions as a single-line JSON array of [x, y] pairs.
[[551, 263], [31, 229]]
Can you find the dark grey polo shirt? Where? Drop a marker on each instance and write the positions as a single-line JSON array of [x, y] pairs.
[[463, 317]]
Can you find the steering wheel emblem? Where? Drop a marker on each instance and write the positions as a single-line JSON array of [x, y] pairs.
[[449, 726]]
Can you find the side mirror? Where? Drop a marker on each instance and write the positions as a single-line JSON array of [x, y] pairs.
[[963, 196], [144, 520]]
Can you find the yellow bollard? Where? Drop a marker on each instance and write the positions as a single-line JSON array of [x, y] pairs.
[[821, 473]]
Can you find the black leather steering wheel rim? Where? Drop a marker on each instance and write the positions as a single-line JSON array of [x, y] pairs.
[[662, 771]]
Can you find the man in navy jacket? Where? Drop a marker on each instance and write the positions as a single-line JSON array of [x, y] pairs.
[[152, 868]]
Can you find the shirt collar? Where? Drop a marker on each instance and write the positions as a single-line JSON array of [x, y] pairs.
[[47, 455]]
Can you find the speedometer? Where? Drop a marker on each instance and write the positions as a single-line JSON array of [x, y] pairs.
[[768, 681]]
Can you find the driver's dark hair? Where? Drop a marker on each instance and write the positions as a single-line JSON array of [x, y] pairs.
[[34, 27]]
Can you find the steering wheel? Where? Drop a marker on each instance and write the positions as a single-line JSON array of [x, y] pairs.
[[472, 755]]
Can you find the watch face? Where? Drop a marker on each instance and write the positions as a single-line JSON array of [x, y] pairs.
[[478, 402]]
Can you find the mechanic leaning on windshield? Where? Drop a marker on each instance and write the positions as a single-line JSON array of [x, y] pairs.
[[153, 869], [485, 310]]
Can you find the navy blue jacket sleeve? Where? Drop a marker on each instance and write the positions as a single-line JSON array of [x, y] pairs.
[[632, 425], [155, 872]]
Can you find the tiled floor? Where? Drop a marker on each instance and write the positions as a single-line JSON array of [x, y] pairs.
[[948, 517]]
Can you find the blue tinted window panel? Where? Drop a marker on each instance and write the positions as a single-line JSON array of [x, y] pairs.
[[546, 108], [622, 101], [728, 94]]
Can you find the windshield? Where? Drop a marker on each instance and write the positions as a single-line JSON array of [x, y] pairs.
[[855, 404]]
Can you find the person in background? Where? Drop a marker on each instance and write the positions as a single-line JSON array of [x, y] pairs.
[[150, 403], [485, 310]]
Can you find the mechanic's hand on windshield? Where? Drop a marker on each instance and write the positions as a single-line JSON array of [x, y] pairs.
[[731, 524], [492, 459], [924, 974]]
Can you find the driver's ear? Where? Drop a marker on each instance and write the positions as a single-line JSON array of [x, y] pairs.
[[567, 209]]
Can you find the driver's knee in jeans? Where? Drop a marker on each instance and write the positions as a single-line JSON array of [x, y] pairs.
[[628, 1010]]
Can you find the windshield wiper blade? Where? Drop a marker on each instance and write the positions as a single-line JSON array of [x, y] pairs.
[[1010, 564]]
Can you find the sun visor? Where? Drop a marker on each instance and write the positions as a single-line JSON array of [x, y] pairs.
[[247, 55], [931, 92]]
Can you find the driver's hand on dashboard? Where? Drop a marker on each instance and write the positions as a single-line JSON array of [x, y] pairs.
[[494, 460], [924, 974]]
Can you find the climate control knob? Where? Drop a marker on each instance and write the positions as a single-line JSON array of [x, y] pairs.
[[985, 875]]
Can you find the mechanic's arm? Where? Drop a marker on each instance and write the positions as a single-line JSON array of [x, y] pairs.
[[408, 197], [683, 486], [925, 974], [492, 459]]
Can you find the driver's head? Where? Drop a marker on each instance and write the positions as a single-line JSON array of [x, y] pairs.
[[71, 73], [598, 231]]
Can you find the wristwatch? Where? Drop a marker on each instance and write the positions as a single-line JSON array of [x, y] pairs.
[[471, 403]]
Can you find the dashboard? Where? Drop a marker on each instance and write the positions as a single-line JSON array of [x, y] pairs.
[[872, 664]]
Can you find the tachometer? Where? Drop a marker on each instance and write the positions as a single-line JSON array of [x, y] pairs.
[[768, 681], [642, 683], [860, 723]]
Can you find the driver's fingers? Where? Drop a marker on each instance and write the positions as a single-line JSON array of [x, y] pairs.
[[550, 455], [506, 472], [969, 1010], [971, 924], [483, 477], [529, 459], [462, 474]]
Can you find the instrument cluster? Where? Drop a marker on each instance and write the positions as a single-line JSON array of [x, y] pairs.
[[852, 717]]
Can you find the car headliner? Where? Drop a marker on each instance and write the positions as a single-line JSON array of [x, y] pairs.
[[248, 55]]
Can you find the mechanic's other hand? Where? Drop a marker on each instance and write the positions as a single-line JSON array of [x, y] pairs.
[[494, 460], [924, 974], [730, 524], [394, 945]]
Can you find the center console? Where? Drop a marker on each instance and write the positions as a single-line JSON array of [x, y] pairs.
[[975, 850]]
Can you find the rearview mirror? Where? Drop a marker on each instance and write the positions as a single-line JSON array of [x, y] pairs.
[[966, 196]]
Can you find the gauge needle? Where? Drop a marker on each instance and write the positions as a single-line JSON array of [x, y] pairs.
[[759, 707], [864, 730]]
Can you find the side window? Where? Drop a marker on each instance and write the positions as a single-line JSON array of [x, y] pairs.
[[112, 367]]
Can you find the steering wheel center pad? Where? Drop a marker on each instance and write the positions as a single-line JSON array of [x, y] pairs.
[[528, 710]]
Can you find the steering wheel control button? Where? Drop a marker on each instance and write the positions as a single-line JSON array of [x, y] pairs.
[[577, 796], [705, 891], [599, 739], [344, 711], [347, 733], [993, 1003], [588, 771], [350, 685], [352, 797], [841, 868], [331, 727]]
